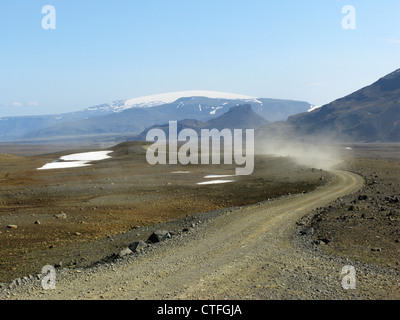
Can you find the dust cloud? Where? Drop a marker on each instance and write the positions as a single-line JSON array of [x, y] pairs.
[[322, 154]]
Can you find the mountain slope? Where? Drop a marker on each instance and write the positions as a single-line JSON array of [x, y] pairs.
[[238, 117], [371, 114]]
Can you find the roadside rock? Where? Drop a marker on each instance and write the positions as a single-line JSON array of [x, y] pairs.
[[307, 231], [352, 208], [125, 252], [138, 245], [159, 235]]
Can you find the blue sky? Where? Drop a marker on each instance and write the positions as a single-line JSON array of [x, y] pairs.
[[103, 51]]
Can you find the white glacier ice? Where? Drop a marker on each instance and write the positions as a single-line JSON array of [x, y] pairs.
[[160, 99]]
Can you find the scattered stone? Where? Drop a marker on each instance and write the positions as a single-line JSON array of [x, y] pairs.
[[125, 252], [352, 208], [61, 216], [138, 245], [77, 234], [324, 241], [12, 226], [376, 249], [37, 222], [159, 235], [392, 199], [321, 241], [348, 207], [307, 231]]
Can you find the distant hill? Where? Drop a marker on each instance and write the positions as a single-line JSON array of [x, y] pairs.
[[130, 117], [238, 117], [371, 114]]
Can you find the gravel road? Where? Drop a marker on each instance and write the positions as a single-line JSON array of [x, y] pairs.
[[248, 253]]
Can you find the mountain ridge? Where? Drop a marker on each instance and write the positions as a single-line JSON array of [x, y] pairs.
[[167, 98], [370, 114], [118, 119]]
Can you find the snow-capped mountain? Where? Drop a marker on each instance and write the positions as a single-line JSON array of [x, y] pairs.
[[167, 98], [132, 116]]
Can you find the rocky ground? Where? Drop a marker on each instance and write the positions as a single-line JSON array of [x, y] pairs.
[[251, 252], [76, 217], [236, 253], [366, 225]]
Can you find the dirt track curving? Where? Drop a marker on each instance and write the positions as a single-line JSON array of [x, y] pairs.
[[248, 253]]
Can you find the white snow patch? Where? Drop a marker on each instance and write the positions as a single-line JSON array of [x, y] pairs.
[[213, 176], [87, 156], [62, 165], [215, 182], [77, 160], [215, 109], [312, 108]]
